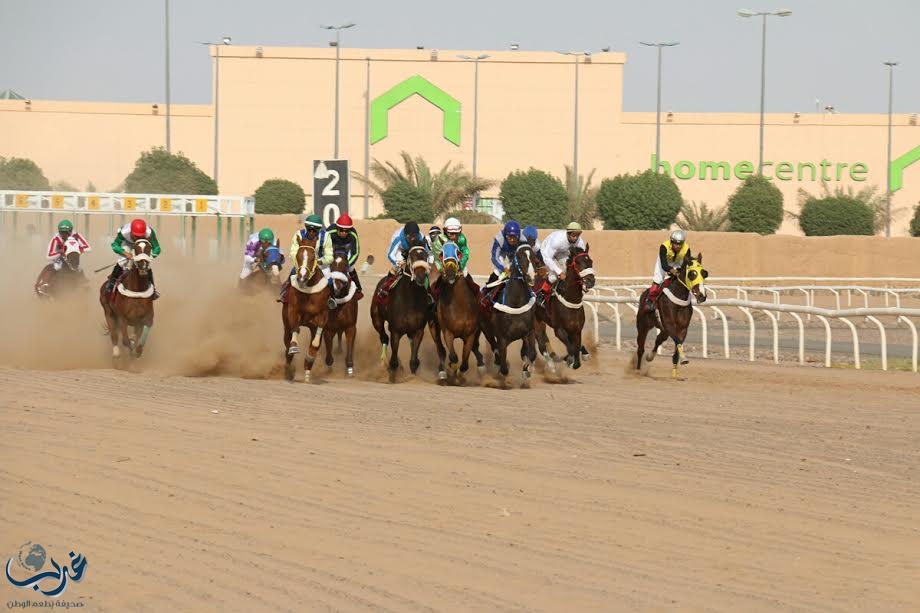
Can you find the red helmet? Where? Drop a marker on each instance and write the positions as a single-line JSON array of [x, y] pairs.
[[344, 222], [139, 228]]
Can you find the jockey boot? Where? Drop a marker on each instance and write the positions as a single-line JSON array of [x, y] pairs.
[[113, 279], [359, 293], [331, 303], [156, 294], [653, 292], [384, 290]]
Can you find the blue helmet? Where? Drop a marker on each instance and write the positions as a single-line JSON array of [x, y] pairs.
[[530, 233], [512, 228]]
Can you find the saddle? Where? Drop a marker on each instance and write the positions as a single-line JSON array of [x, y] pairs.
[[382, 296], [488, 296]]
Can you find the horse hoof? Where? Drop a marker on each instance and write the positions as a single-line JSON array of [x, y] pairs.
[[650, 356], [442, 375], [481, 369], [349, 372], [306, 376], [294, 349], [684, 361], [116, 352]]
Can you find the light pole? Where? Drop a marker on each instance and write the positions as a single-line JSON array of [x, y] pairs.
[[224, 41], [338, 30], [577, 54], [658, 103], [891, 66], [475, 61], [763, 67], [367, 137], [168, 110]]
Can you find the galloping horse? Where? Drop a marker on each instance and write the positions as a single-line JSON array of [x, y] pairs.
[[305, 304], [344, 317], [672, 312], [267, 272], [511, 317], [131, 302], [457, 315], [406, 312], [564, 312], [51, 282]]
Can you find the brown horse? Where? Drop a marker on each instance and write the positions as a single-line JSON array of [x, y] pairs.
[[344, 317], [673, 312], [564, 312], [51, 283], [306, 304], [406, 311], [457, 316], [131, 302]]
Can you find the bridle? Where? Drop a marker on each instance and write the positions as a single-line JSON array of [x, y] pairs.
[[421, 262], [581, 272], [303, 272], [517, 271]]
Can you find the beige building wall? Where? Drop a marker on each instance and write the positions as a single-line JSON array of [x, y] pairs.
[[277, 108]]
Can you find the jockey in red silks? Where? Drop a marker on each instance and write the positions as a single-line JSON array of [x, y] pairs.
[[57, 248]]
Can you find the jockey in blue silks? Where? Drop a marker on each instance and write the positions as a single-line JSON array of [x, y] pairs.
[[503, 248]]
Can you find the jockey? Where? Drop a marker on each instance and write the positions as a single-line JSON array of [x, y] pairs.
[[123, 246], [256, 246], [555, 250], [504, 245], [312, 230], [434, 234], [342, 237], [531, 237], [671, 255], [403, 240], [453, 232], [57, 249]]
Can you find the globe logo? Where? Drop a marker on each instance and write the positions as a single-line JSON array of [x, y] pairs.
[[32, 556]]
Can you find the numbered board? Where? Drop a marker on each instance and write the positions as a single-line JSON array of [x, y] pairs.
[[330, 189]]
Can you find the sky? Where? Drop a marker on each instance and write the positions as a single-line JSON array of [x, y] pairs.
[[827, 50]]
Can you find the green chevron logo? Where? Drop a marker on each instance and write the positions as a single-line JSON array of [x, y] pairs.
[[381, 105], [898, 165]]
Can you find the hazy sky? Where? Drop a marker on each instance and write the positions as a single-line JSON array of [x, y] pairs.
[[831, 50]]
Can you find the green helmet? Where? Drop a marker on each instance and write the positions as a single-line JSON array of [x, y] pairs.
[[574, 227], [65, 225], [266, 235], [313, 220]]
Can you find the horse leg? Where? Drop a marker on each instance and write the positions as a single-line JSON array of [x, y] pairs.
[[435, 331], [380, 326], [316, 337], [528, 355], [468, 342], [126, 339], [449, 339], [350, 334], [640, 340], [662, 337], [480, 363], [289, 344], [575, 348], [501, 355], [563, 335], [542, 341], [394, 354], [327, 338], [415, 344]]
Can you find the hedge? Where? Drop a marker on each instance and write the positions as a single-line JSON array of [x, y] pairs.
[[756, 206], [280, 196], [835, 216], [646, 201], [534, 198]]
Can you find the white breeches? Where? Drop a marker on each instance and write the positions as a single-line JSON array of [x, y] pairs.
[[248, 261], [659, 275]]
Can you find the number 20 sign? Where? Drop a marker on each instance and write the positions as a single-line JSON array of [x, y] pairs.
[[330, 189]]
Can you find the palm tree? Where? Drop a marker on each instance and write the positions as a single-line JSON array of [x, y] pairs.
[[700, 218], [448, 188], [582, 205]]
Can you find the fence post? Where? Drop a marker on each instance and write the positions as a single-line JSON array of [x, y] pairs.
[[242, 229], [194, 233], [219, 232]]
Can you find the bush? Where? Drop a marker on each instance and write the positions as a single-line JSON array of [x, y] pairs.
[[470, 217], [21, 173], [279, 196], [646, 201], [534, 198], [404, 202], [835, 216], [756, 206], [159, 172], [915, 222]]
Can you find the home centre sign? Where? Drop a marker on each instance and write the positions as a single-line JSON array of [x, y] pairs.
[[783, 171]]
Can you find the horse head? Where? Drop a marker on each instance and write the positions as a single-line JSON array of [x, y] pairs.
[[142, 256], [418, 264], [305, 261], [581, 265], [338, 272], [72, 254], [693, 276], [450, 258], [522, 266]]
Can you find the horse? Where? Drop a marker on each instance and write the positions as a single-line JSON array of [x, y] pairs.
[[344, 317], [564, 312], [131, 302], [306, 304], [672, 313], [267, 271], [511, 317], [50, 282], [406, 311], [457, 315]]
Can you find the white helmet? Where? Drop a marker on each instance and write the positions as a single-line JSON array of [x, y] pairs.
[[453, 225], [678, 236]]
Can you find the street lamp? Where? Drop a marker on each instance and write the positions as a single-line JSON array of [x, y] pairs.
[[338, 30], [475, 61], [223, 41], [168, 110], [577, 54], [763, 66], [658, 104], [891, 66]]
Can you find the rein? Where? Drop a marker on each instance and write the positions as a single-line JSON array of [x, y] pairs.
[[517, 274]]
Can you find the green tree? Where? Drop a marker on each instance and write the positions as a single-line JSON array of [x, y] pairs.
[[22, 173], [280, 196], [64, 186], [160, 172], [645, 201], [700, 218], [581, 198], [915, 222], [534, 198], [404, 202], [835, 216], [447, 188], [756, 206]]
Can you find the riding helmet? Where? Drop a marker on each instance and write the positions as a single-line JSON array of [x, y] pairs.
[[313, 221], [411, 229], [530, 233], [65, 225], [453, 225], [266, 235], [512, 228], [574, 227], [139, 228], [344, 222], [678, 236]]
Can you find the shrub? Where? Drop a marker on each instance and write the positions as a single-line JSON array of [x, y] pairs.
[[279, 196], [470, 217], [404, 202], [160, 172], [21, 173], [700, 218], [646, 201], [837, 215], [756, 206], [534, 198], [868, 194], [915, 222]]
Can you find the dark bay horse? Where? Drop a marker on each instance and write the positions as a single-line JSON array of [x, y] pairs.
[[673, 312], [511, 317], [456, 316], [268, 266], [406, 311], [51, 283], [131, 302], [305, 304], [344, 317], [564, 312]]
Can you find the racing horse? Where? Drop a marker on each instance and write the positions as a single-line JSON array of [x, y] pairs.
[[456, 316], [511, 317], [405, 311], [305, 304], [50, 282], [343, 314], [267, 270], [131, 301], [564, 312], [673, 311]]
